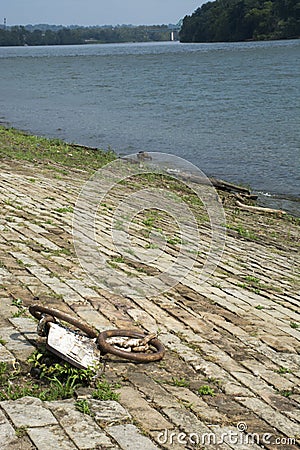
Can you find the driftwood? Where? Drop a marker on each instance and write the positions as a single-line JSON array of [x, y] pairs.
[[229, 187], [219, 184], [259, 209], [249, 196]]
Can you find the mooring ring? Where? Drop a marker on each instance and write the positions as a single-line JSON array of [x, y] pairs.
[[37, 311], [105, 347]]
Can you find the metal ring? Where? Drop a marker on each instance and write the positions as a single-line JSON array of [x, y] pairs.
[[105, 347], [37, 311]]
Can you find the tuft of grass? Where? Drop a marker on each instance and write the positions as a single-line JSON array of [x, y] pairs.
[[22, 311], [252, 279], [286, 393], [242, 231], [180, 382], [283, 370], [21, 263], [149, 221], [84, 407], [61, 251], [174, 240], [294, 325], [206, 390], [105, 391], [118, 259], [65, 209], [21, 431]]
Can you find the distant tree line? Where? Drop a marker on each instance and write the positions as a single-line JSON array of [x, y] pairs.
[[29, 35], [241, 20]]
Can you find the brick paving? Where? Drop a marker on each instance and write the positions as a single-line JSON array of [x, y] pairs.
[[243, 343]]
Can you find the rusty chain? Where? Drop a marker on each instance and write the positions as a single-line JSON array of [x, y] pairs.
[[141, 339], [50, 315], [127, 344]]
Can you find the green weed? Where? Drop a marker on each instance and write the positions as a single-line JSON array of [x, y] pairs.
[[83, 407], [252, 279], [21, 310], [61, 251], [286, 393], [206, 390], [65, 209], [283, 370], [60, 380], [118, 259], [105, 391], [180, 382], [242, 231], [2, 341], [174, 240], [21, 431]]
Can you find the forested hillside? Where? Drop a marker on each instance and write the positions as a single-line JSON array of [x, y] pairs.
[[240, 20], [47, 35]]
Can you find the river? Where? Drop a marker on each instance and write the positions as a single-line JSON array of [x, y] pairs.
[[232, 109]]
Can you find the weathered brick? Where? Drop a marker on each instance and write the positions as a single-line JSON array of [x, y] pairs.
[[28, 412], [81, 428], [50, 437], [141, 410], [129, 437], [7, 432], [108, 411]]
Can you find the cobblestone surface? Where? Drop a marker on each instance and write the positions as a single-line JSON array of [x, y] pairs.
[[240, 340]]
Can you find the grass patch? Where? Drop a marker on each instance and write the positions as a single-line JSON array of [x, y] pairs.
[[286, 393], [83, 406], [180, 382], [65, 209], [118, 259], [252, 279], [21, 431], [22, 311], [2, 341], [242, 231], [105, 391], [21, 146], [59, 252], [206, 390], [283, 370], [51, 379]]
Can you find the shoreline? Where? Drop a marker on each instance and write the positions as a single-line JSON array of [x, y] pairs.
[[288, 203]]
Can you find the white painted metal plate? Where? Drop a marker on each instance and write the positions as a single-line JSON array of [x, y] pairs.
[[78, 350]]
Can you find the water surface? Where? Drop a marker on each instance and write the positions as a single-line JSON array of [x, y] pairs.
[[232, 109]]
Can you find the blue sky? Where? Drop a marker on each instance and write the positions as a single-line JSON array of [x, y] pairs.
[[96, 12]]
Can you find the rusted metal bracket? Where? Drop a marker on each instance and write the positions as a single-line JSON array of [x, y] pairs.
[[85, 350], [80, 351]]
